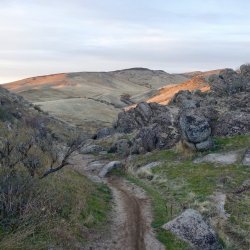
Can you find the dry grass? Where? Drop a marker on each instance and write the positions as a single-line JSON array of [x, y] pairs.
[[90, 98], [168, 92], [66, 205]]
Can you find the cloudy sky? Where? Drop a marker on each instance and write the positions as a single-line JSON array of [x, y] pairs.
[[51, 36]]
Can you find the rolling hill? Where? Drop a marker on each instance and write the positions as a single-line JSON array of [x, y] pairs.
[[91, 99]]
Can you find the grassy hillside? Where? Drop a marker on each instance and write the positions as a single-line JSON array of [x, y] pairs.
[[177, 184], [63, 211], [92, 100], [39, 211]]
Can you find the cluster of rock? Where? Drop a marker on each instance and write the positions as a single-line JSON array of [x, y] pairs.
[[229, 82], [192, 118]]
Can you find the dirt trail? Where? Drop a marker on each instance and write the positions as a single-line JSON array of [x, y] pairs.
[[134, 226], [131, 216]]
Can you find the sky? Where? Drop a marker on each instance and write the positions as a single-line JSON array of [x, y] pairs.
[[51, 36]]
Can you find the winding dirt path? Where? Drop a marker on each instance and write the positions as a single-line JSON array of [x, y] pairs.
[[131, 216], [134, 226]]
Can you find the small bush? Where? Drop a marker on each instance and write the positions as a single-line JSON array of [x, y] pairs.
[[38, 108], [5, 115]]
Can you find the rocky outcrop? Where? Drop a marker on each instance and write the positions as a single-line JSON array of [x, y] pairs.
[[228, 82], [143, 115], [156, 126], [122, 147], [193, 118], [104, 132], [191, 227], [232, 123], [91, 149]]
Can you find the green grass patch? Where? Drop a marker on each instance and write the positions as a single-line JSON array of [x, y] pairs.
[[178, 184], [161, 213], [231, 142]]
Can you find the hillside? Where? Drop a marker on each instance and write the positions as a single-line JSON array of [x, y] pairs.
[[89, 99], [165, 94], [199, 81], [40, 207], [192, 157], [183, 165]]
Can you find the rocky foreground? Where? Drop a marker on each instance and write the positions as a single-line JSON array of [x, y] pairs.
[[192, 118], [195, 153]]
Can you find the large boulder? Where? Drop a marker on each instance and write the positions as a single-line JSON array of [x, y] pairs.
[[191, 227], [108, 167], [195, 129]]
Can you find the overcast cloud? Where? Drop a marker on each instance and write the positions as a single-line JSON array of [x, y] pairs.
[[44, 37]]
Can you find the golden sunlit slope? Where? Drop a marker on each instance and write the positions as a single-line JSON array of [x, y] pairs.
[[198, 81], [165, 94], [92, 99]]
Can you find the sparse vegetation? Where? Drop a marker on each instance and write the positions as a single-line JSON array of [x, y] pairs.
[[178, 184], [58, 211], [38, 212]]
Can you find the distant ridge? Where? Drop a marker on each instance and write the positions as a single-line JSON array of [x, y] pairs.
[[92, 99]]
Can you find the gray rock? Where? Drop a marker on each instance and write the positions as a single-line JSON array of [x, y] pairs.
[[144, 110], [144, 115], [104, 132], [232, 123], [224, 158], [185, 100], [227, 82], [244, 187], [205, 145], [121, 147], [195, 130], [191, 227], [110, 166], [95, 165], [137, 147], [219, 200], [148, 138], [245, 73], [148, 166], [246, 159], [91, 149], [195, 127]]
